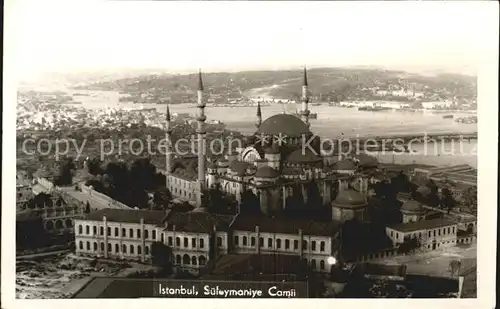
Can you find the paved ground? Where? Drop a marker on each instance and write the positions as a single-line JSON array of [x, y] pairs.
[[437, 262], [95, 201]]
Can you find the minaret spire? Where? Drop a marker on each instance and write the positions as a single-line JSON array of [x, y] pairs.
[[168, 154], [259, 115], [305, 100], [201, 140]]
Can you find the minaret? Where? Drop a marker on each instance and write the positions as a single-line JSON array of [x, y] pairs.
[[304, 113], [201, 140], [259, 115], [168, 155]]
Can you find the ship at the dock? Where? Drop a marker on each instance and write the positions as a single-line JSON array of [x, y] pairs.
[[448, 117]]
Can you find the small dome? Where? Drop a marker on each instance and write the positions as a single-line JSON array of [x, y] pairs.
[[345, 165], [222, 162], [297, 156], [288, 125], [412, 206], [424, 190], [349, 199], [239, 167], [266, 172], [212, 165]]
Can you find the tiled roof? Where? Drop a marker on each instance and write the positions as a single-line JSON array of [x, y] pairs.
[[422, 225], [128, 215], [197, 222], [284, 226]]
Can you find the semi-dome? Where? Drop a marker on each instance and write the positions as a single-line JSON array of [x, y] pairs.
[[266, 172], [285, 124], [412, 206], [274, 149], [300, 156], [345, 165], [349, 199]]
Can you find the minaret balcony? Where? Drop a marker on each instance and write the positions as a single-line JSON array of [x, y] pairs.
[[201, 131], [201, 118], [201, 105], [305, 113]]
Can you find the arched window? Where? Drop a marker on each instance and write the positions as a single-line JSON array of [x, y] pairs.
[[322, 265], [287, 244], [146, 250], [131, 233], [101, 230], [139, 249], [313, 245], [108, 230], [252, 241], [278, 243], [124, 248], [146, 234], [193, 242], [162, 238], [102, 246], [219, 241], [95, 246], [193, 260], [131, 249], [81, 244], [94, 230], [80, 229], [124, 232], [202, 243], [177, 241], [87, 229], [109, 248], [178, 259], [202, 260], [322, 246], [117, 248], [153, 235], [116, 232], [186, 260], [138, 233], [245, 240], [186, 242], [261, 242], [304, 245]]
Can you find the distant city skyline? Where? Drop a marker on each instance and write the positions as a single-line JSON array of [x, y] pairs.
[[72, 36]]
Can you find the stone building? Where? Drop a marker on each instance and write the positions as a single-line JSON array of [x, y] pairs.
[[432, 234]]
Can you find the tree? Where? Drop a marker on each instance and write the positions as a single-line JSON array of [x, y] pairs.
[[447, 200], [162, 198], [160, 254], [409, 245], [249, 203], [87, 208]]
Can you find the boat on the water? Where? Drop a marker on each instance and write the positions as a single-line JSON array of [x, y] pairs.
[[374, 108], [448, 117]]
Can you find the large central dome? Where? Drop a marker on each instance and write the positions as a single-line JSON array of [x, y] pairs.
[[285, 124]]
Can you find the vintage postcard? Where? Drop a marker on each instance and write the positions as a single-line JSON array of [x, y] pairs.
[[178, 152]]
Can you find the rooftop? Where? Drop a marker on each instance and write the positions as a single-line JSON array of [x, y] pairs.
[[288, 125], [422, 225], [285, 226], [127, 215], [197, 222]]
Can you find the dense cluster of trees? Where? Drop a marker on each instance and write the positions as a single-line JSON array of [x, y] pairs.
[[128, 184]]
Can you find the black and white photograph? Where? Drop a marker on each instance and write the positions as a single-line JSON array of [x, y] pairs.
[[272, 150]]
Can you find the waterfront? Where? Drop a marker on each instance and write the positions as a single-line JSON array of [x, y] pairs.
[[336, 122]]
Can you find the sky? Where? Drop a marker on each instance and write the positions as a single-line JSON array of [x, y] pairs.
[[73, 36]]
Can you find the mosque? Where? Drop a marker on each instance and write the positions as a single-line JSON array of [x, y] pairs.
[[281, 160], [275, 166]]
